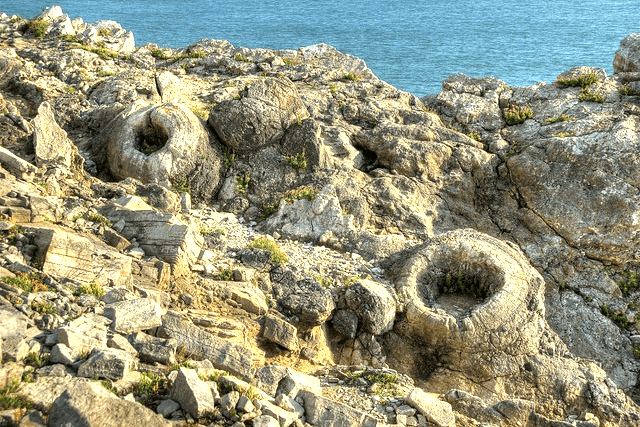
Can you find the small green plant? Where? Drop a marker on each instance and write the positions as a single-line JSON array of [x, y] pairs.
[[475, 136], [351, 280], [332, 88], [38, 27], [187, 55], [325, 282], [15, 19], [159, 54], [242, 183], [72, 39], [9, 399], [562, 118], [300, 193], [270, 208], [27, 282], [618, 318], [636, 350], [199, 113], [147, 387], [181, 186], [43, 308], [70, 89], [516, 115], [185, 67], [241, 58], [583, 81], [297, 161], [630, 282], [351, 77], [102, 52], [211, 231], [277, 255], [108, 385], [90, 289], [226, 274], [626, 90], [229, 159], [37, 360], [587, 96], [386, 383], [96, 217], [104, 32], [564, 134], [461, 283], [184, 364], [104, 73]]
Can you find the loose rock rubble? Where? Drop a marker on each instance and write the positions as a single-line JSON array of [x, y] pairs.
[[216, 235]]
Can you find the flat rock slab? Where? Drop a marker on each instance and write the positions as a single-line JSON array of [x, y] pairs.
[[91, 405], [68, 255], [107, 363], [278, 379], [280, 332], [201, 344], [434, 410], [321, 411], [134, 315], [154, 349], [249, 297], [161, 235]]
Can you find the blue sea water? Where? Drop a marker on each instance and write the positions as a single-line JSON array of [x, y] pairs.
[[412, 44]]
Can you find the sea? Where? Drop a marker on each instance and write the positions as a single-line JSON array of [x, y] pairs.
[[412, 44]]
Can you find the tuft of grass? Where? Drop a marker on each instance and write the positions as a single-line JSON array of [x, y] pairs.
[[587, 96], [226, 274], [300, 193], [297, 161], [90, 289], [37, 360], [102, 52], [270, 208], [27, 282], [241, 58], [9, 399], [184, 364], [562, 118], [629, 283], [181, 186], [583, 81], [186, 55], [147, 387], [103, 73], [475, 136], [351, 77], [72, 39], [626, 90], [43, 308], [516, 115], [104, 32], [96, 217], [277, 255], [242, 183], [38, 27], [229, 159], [159, 54]]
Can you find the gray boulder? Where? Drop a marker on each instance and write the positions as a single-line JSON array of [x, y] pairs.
[[373, 304], [52, 146], [320, 411], [306, 299], [134, 315], [107, 363], [627, 58], [435, 410], [280, 332], [201, 344], [91, 405], [267, 107], [153, 349], [193, 394]]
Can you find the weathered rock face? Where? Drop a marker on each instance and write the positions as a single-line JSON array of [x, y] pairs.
[[467, 294], [51, 144], [627, 59], [159, 144], [266, 108]]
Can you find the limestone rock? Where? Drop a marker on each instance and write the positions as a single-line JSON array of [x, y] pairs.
[[60, 353], [467, 293], [107, 363], [82, 334], [159, 144], [201, 344], [134, 315], [159, 234], [280, 332], [322, 411], [265, 421], [345, 322], [435, 410], [284, 380], [66, 254], [627, 59], [193, 394], [267, 107], [91, 405], [374, 304], [153, 349], [18, 166], [52, 146], [250, 297], [306, 299]]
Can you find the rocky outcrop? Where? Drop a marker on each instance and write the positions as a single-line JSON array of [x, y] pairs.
[[476, 241]]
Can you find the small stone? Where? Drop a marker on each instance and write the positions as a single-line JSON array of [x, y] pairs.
[[245, 405], [167, 407]]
